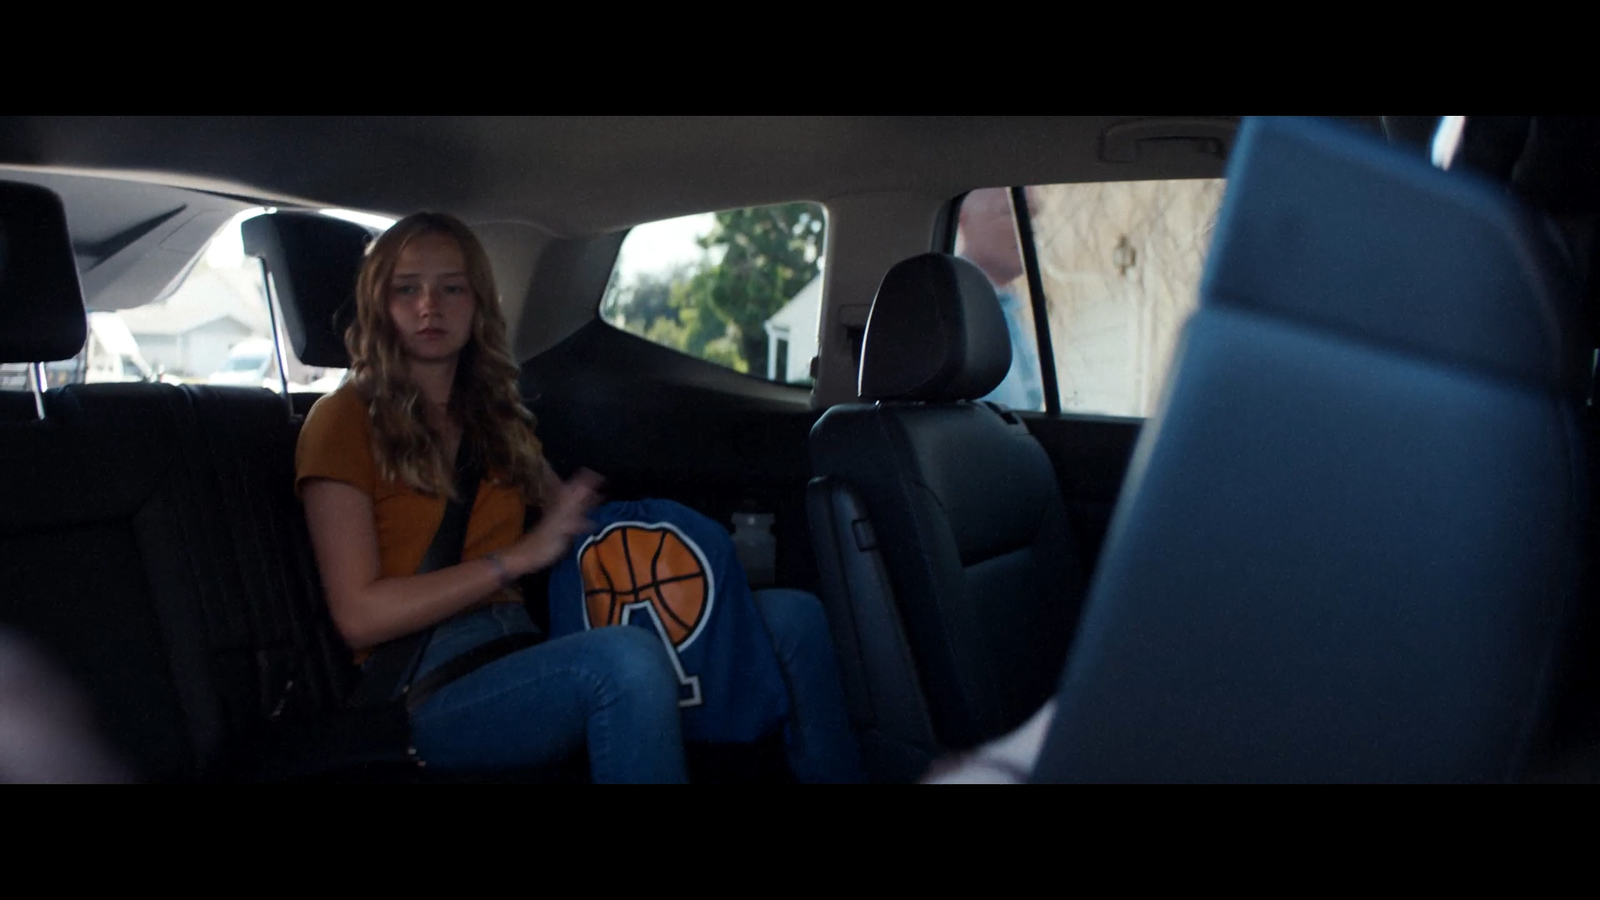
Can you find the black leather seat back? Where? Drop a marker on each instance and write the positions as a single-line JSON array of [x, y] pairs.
[[76, 510], [150, 538], [83, 506], [265, 619], [155, 545], [1350, 534], [957, 506]]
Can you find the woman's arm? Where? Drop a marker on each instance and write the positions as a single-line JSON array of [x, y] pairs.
[[552, 481], [369, 610]]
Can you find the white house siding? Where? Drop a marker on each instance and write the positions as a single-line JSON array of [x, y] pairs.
[[191, 331], [161, 350], [796, 323], [1113, 329], [207, 347], [194, 353]]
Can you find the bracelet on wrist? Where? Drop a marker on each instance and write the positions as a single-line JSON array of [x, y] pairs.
[[506, 578]]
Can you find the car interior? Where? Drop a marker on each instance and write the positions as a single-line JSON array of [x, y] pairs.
[[1337, 531]]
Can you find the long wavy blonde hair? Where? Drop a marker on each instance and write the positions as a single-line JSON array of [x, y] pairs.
[[485, 396]]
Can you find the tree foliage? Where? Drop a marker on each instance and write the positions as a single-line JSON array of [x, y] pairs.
[[755, 260]]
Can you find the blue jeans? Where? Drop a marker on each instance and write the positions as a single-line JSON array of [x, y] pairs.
[[614, 690], [821, 748]]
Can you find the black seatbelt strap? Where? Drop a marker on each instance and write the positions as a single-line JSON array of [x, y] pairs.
[[393, 663], [534, 600]]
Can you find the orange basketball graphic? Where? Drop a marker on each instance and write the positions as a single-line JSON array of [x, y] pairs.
[[631, 566]]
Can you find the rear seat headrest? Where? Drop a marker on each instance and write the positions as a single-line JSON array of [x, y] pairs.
[[314, 261], [935, 333], [41, 301], [1368, 262]]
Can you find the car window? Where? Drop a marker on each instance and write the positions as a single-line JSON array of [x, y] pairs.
[[741, 288], [213, 327], [1119, 265], [110, 353]]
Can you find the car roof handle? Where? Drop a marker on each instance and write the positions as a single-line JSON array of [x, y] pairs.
[[1120, 142]]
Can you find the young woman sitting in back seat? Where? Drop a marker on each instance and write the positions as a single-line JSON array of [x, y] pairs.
[[430, 375]]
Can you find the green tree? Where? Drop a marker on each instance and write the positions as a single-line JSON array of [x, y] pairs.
[[755, 261], [642, 305], [763, 257]]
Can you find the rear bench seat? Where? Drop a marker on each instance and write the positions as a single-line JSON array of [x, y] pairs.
[[274, 652], [81, 513], [151, 539], [156, 546]]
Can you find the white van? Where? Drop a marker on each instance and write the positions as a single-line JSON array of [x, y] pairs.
[[249, 364], [252, 363]]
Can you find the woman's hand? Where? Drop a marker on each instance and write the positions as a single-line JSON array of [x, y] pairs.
[[566, 517], [369, 609]]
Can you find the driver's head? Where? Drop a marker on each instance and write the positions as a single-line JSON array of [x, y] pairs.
[[987, 234]]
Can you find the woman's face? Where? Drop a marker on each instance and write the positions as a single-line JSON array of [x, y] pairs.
[[430, 298]]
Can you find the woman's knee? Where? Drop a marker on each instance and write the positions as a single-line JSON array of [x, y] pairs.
[[793, 616], [633, 660]]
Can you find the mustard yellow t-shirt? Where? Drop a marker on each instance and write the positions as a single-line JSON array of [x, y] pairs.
[[336, 442]]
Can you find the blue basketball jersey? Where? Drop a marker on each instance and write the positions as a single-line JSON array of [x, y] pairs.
[[660, 565]]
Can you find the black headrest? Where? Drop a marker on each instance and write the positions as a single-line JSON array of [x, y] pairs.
[[1490, 145], [41, 302], [1548, 161], [935, 333], [314, 261], [1396, 251]]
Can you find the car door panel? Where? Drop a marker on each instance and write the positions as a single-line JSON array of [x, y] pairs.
[[1090, 455], [655, 423]]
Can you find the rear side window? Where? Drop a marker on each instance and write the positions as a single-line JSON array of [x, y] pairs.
[[740, 288], [237, 349], [213, 327], [1120, 266]]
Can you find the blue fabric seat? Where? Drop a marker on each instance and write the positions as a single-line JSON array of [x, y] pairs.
[[1351, 536]]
